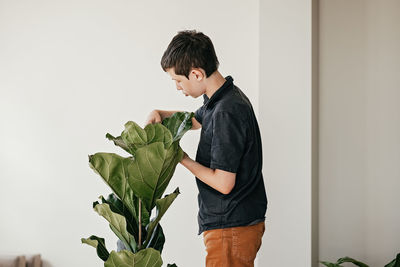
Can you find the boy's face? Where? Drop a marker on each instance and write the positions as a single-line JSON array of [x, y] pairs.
[[194, 86]]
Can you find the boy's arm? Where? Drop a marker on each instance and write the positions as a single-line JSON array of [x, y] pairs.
[[228, 145], [220, 180], [195, 124], [167, 113]]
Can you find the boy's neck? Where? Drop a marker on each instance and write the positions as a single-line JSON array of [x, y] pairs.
[[214, 82]]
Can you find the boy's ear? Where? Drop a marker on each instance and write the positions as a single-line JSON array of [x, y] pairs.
[[198, 73]]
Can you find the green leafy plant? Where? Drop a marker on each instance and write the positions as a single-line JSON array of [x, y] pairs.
[[393, 263], [343, 260], [138, 183]]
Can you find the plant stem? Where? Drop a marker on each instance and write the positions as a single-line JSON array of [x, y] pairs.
[[140, 223]]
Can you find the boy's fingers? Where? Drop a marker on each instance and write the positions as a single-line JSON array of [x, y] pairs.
[[154, 117], [153, 121]]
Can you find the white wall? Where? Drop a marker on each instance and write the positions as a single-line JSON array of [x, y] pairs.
[[359, 130], [285, 123], [71, 71]]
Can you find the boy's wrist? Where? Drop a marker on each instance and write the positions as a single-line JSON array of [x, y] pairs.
[[185, 158]]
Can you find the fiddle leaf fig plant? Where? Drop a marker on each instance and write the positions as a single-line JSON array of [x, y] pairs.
[[138, 183]]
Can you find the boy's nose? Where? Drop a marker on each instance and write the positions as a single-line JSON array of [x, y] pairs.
[[177, 86]]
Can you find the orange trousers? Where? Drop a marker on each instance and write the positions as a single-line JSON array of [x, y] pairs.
[[234, 246]]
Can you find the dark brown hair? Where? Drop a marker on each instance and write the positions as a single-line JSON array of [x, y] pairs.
[[190, 49]]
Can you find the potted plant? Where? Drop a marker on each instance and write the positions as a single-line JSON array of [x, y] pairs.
[[394, 263], [138, 183]]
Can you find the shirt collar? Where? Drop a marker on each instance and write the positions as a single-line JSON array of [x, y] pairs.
[[219, 93]]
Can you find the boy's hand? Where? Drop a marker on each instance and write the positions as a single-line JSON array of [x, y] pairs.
[[153, 117]]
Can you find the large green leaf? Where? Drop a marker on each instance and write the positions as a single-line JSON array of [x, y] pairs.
[[152, 170], [134, 137], [99, 244], [148, 257], [117, 225], [157, 239], [178, 124], [118, 142], [144, 258], [162, 206], [124, 258], [117, 206], [173, 157], [113, 169], [146, 171]]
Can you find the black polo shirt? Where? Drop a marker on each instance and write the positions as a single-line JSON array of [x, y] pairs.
[[230, 140]]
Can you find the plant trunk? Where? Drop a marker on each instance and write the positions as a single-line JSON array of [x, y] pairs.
[[140, 224]]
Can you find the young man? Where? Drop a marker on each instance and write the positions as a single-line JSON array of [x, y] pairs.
[[228, 166]]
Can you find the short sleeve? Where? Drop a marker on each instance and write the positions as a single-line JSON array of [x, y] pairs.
[[228, 141], [198, 114]]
